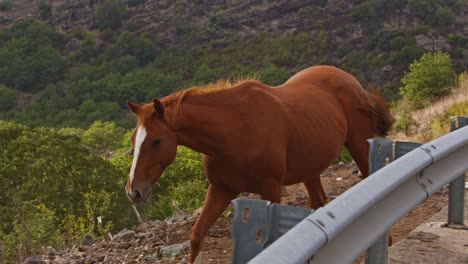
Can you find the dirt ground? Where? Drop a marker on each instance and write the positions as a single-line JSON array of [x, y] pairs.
[[144, 244], [336, 180]]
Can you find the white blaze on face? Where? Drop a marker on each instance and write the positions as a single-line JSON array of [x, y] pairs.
[[140, 137]]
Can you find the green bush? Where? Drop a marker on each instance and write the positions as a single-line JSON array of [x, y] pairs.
[[5, 5], [7, 98], [45, 9], [274, 75], [34, 226], [110, 14], [132, 3], [430, 76], [441, 123], [404, 123], [443, 16], [103, 137], [191, 194], [458, 53], [344, 156], [182, 184]]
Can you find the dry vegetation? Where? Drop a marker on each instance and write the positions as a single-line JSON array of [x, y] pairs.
[[429, 122]]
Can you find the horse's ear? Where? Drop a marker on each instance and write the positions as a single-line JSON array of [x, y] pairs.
[[158, 107], [133, 107]]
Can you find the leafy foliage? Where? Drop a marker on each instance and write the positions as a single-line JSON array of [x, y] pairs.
[[273, 75], [344, 157], [46, 177], [430, 76], [183, 183], [28, 61], [5, 5], [441, 124], [110, 14], [7, 98], [60, 179], [103, 137]]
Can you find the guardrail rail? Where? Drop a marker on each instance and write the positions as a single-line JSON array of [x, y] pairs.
[[343, 229]]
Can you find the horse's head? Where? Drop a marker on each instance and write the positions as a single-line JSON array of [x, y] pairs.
[[154, 147]]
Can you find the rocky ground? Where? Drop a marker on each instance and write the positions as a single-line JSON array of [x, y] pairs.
[[167, 241]]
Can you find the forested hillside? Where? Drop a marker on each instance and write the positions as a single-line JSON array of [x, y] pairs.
[[73, 62], [67, 68]]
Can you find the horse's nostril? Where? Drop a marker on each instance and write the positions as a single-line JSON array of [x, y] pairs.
[[137, 195]]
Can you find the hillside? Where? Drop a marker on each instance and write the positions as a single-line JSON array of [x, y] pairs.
[[183, 43], [68, 66]]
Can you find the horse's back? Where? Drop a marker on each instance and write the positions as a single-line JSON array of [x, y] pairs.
[[329, 80]]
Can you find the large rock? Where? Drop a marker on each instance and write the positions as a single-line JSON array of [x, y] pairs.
[[125, 235], [33, 260], [87, 240], [432, 43], [174, 249]]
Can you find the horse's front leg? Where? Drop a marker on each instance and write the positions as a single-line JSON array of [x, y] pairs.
[[215, 203]]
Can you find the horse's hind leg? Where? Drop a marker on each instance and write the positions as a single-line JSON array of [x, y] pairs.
[[317, 197], [272, 193], [215, 203]]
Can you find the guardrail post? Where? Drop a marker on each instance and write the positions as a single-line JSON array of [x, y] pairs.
[[380, 153], [457, 187]]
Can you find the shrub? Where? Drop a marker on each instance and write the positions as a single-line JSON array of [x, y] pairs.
[[5, 5], [110, 14], [344, 156], [443, 16], [7, 98], [182, 184], [430, 76], [404, 123], [441, 124], [103, 137], [274, 75]]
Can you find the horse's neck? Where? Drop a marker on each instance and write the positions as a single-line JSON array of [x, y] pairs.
[[202, 127]]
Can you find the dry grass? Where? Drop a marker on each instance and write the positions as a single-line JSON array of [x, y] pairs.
[[458, 95], [421, 131]]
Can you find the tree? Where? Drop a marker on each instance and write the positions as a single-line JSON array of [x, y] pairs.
[[103, 137], [7, 98], [182, 183], [444, 16], [204, 74], [29, 61], [5, 5], [430, 76], [45, 9], [274, 75], [110, 14], [51, 181]]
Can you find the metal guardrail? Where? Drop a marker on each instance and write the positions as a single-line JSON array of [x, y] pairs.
[[348, 225], [258, 223], [381, 152], [457, 187]]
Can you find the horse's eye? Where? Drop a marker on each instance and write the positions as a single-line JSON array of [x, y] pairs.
[[130, 152], [156, 142]]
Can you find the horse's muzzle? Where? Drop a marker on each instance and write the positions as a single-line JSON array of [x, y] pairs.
[[138, 195]]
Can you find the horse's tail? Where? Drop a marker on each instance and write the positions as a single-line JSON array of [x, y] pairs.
[[383, 119]]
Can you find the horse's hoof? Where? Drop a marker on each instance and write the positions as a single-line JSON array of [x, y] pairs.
[[198, 259]]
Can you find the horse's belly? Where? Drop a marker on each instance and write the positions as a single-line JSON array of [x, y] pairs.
[[309, 159]]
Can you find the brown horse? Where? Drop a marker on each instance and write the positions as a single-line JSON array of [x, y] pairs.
[[256, 138]]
